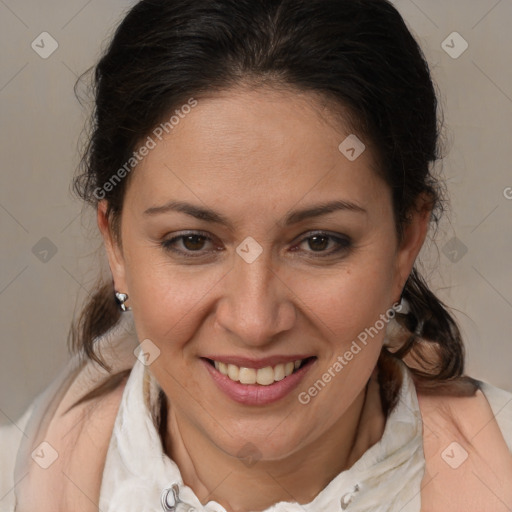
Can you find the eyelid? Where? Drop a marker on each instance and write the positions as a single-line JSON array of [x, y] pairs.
[[167, 243], [344, 243]]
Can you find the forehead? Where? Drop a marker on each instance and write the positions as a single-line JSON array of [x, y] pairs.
[[256, 143]]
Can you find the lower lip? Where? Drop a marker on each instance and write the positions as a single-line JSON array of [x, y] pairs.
[[256, 394]]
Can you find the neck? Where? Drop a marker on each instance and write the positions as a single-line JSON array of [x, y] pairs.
[[215, 475]]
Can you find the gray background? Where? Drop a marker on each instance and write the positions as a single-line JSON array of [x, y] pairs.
[[41, 124]]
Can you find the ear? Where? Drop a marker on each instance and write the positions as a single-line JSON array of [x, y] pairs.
[[414, 234], [112, 247]]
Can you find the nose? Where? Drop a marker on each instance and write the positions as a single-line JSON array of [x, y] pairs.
[[257, 305]]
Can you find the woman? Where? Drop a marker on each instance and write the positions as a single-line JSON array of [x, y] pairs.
[[262, 176]]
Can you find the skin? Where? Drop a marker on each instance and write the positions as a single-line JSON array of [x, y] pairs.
[[254, 155]]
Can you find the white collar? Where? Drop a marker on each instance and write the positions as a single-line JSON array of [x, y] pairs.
[[387, 477]]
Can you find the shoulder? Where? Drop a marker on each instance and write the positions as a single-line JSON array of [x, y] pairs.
[[70, 431], [11, 435], [467, 443], [72, 448], [77, 438]]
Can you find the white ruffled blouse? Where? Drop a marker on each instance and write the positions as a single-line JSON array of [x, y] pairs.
[[139, 477]]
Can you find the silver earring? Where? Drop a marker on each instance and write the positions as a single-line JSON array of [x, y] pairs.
[[393, 328], [404, 307], [121, 299]]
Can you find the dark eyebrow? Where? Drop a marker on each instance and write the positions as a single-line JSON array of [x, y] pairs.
[[292, 218], [322, 209]]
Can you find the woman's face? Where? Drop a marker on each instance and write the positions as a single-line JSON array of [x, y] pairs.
[[265, 279]]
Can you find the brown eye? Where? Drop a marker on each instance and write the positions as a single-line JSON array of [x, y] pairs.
[[321, 242], [193, 242], [318, 242]]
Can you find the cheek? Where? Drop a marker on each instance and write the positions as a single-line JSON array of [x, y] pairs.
[[167, 299], [172, 302], [345, 301]]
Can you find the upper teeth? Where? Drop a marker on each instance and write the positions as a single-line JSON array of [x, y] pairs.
[[264, 376]]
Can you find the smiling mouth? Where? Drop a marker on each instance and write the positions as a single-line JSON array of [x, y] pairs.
[[263, 376]]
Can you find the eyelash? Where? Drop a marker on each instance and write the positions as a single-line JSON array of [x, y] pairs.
[[344, 244]]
